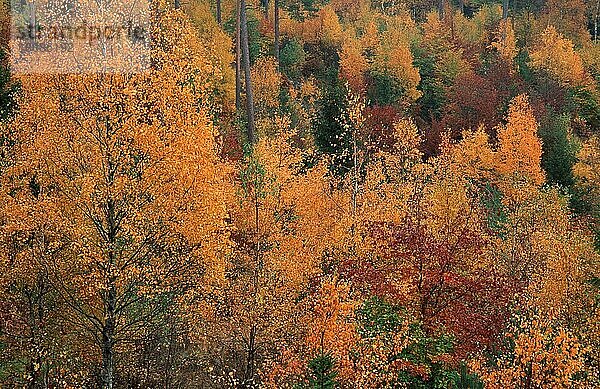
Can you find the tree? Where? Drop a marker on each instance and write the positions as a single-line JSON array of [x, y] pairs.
[[353, 66], [395, 351], [555, 55], [421, 243], [472, 101], [265, 3], [218, 5], [324, 347], [285, 221], [588, 181], [276, 27], [121, 166], [520, 149], [217, 47], [505, 10], [267, 86], [394, 59], [322, 375], [569, 18], [540, 354], [594, 11], [559, 149], [505, 42], [586, 168], [9, 89], [238, 56], [251, 130], [32, 332]]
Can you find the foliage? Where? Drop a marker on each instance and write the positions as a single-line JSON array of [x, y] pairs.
[[291, 58], [353, 66], [221, 94], [420, 206], [395, 351], [541, 355], [9, 89], [555, 55], [559, 149], [322, 375], [520, 149]]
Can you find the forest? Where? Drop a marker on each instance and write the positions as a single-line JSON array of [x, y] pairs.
[[307, 194]]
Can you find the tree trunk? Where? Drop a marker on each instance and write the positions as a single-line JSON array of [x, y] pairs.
[[108, 338], [33, 24], [461, 6], [505, 4], [247, 76], [238, 56], [219, 12], [596, 21], [249, 373], [110, 298], [266, 5], [441, 9], [177, 4], [505, 19], [276, 17]]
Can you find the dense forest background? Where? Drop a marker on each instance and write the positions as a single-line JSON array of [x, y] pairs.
[[310, 194]]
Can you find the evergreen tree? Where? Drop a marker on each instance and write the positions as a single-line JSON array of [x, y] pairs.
[[322, 373]]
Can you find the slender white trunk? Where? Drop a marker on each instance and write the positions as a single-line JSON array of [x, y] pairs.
[[247, 76]]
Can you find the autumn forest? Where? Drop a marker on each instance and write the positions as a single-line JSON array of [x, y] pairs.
[[306, 194]]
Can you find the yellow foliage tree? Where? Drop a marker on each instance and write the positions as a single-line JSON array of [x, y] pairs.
[[505, 41], [474, 156], [545, 355], [218, 52], [126, 175], [323, 27], [331, 329], [394, 58], [286, 224], [266, 84], [519, 148], [440, 44], [353, 65], [555, 55], [587, 172]]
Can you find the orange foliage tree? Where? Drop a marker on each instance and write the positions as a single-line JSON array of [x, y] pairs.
[[542, 355], [519, 148], [124, 169], [353, 65]]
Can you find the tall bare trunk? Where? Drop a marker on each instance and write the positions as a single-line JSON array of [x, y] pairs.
[[461, 6], [441, 9], [596, 21], [250, 357], [177, 4], [33, 23], [238, 56], [108, 337], [276, 16], [247, 76], [266, 4], [219, 12], [505, 4], [110, 296]]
